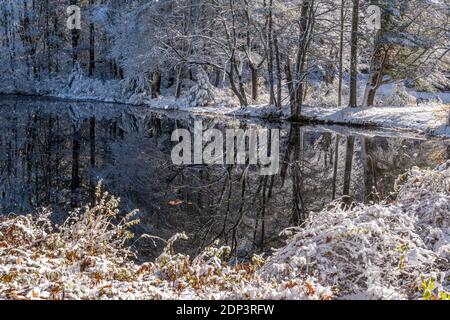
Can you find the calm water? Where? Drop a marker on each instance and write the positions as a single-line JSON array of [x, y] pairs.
[[52, 154]]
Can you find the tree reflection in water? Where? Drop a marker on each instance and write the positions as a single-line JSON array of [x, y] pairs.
[[53, 154]]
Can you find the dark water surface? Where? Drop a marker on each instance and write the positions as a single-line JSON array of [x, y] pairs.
[[53, 153]]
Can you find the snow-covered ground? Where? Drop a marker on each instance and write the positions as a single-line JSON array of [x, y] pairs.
[[397, 250], [431, 119]]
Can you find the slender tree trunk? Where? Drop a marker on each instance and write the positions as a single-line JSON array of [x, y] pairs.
[[235, 64], [47, 37], [55, 45], [290, 84], [376, 75], [341, 54], [178, 85], [238, 89], [270, 62], [75, 40], [218, 78], [156, 84], [330, 74], [354, 57], [299, 77], [279, 72], [254, 77], [91, 45]]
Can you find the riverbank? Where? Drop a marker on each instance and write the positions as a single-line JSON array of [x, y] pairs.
[[430, 120], [398, 250]]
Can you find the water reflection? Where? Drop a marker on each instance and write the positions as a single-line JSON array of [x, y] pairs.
[[52, 154]]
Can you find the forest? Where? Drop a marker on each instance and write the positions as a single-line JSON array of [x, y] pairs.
[[272, 52]]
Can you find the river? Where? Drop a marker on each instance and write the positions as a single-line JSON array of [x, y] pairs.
[[53, 153]]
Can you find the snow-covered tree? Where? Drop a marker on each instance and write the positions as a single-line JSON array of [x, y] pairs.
[[273, 51], [202, 93]]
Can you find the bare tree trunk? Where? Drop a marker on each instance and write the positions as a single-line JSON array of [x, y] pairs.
[[330, 74], [238, 90], [290, 84], [341, 54], [9, 43], [178, 85], [218, 78], [376, 74], [354, 57], [91, 45], [299, 77], [47, 37], [253, 65], [75, 40], [279, 72], [270, 48], [235, 70], [56, 46], [156, 84], [254, 77]]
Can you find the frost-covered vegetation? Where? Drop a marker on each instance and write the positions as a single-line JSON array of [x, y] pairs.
[[379, 251], [398, 250], [202, 94]]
